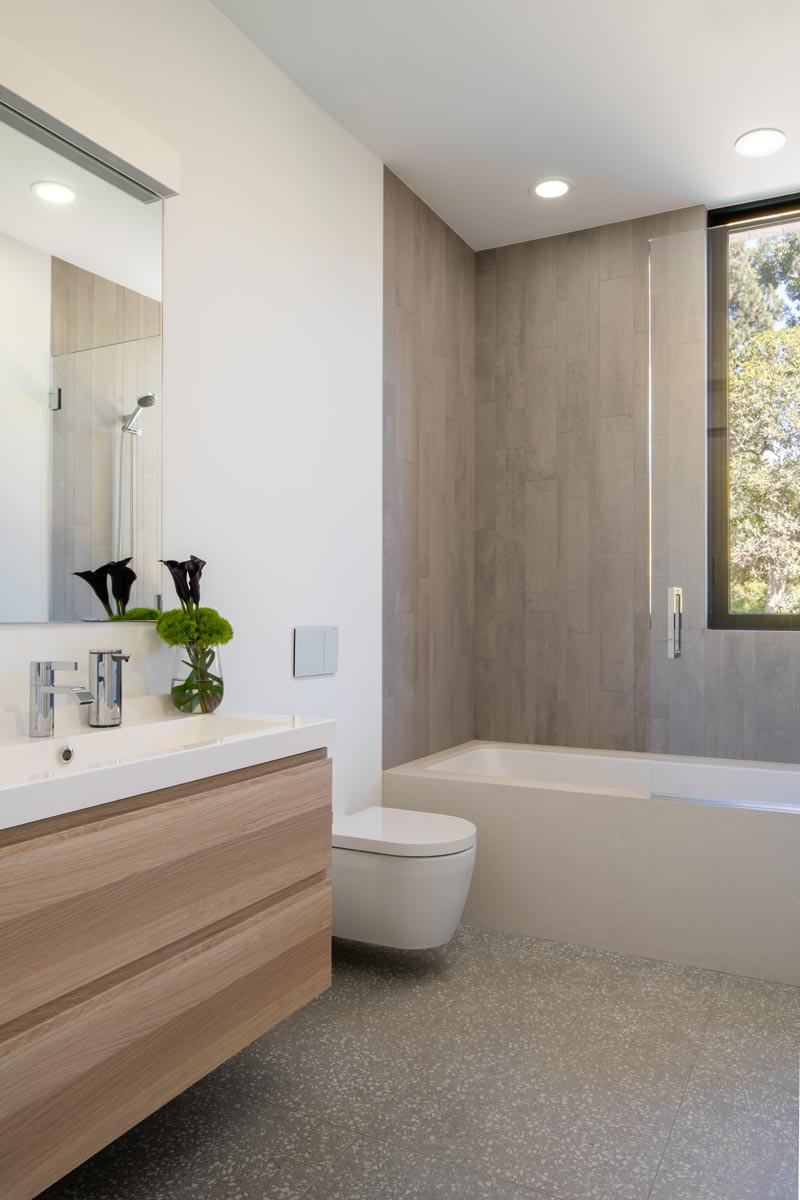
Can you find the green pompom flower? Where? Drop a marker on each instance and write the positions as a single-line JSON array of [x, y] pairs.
[[212, 629], [200, 627]]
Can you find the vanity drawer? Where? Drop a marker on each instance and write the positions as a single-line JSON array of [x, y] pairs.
[[81, 1071], [85, 894]]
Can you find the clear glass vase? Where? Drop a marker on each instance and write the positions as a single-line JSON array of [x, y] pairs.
[[197, 685]]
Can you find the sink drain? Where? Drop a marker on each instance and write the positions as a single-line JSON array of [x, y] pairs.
[[66, 754]]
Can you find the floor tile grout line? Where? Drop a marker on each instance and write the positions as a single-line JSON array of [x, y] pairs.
[[689, 1078]]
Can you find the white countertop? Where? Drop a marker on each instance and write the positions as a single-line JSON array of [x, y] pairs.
[[156, 747]]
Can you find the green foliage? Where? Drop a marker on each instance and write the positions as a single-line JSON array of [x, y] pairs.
[[752, 306], [137, 614], [198, 627], [764, 441], [776, 259]]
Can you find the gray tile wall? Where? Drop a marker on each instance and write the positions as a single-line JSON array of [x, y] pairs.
[[562, 602], [429, 448], [563, 650]]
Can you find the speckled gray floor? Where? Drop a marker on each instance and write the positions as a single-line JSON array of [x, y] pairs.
[[500, 1068]]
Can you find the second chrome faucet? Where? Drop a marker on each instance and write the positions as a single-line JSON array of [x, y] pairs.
[[105, 680]]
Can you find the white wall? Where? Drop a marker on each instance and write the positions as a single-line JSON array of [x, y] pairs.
[[24, 431], [272, 364]]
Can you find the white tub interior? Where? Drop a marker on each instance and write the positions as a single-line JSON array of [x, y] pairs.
[[775, 787]]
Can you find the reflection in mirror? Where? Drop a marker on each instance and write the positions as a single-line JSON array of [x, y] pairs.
[[80, 384]]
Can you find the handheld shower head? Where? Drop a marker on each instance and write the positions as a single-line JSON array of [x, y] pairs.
[[129, 422]]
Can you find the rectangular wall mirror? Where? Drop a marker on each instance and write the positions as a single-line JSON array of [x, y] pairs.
[[80, 379]]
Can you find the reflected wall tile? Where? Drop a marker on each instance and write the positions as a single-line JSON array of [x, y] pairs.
[[152, 318], [102, 387], [79, 318], [104, 312], [102, 443], [59, 307]]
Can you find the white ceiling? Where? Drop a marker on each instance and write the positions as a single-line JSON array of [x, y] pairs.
[[104, 230], [470, 101]]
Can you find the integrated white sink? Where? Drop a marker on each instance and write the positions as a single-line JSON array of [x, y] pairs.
[[156, 747]]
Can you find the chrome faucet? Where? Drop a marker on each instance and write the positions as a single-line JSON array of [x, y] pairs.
[[105, 673], [43, 691]]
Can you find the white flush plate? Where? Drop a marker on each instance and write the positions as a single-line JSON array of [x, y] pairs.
[[316, 650]]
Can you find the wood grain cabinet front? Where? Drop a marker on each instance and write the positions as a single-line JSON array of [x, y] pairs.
[[143, 943], [83, 895]]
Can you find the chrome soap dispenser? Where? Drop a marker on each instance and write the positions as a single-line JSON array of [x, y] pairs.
[[105, 674]]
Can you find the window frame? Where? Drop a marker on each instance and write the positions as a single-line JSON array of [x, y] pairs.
[[720, 222]]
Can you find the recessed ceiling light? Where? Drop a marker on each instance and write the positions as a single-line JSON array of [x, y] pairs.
[[550, 189], [55, 193], [760, 142]]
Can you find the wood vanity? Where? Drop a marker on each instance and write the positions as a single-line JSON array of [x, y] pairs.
[[144, 942]]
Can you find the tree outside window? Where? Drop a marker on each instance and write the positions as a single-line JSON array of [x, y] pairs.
[[756, 544]]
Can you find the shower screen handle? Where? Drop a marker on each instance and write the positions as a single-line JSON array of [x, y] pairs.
[[674, 622]]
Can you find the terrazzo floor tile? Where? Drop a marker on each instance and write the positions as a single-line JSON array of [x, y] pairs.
[[733, 1139], [563, 1151], [205, 1145], [754, 1026], [499, 1066], [371, 1171]]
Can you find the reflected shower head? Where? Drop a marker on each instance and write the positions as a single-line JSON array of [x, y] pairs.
[[129, 422]]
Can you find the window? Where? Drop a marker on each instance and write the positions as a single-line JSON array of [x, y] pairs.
[[754, 416]]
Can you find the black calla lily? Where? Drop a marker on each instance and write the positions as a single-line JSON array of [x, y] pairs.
[[122, 580], [194, 569], [178, 572], [98, 582]]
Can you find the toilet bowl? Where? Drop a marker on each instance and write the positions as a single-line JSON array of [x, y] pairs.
[[400, 878]]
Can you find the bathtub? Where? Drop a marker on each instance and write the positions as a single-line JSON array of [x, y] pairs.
[[693, 861]]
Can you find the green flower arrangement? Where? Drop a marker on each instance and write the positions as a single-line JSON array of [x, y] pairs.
[[137, 614], [197, 683]]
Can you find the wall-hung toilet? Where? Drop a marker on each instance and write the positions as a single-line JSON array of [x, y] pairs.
[[400, 878]]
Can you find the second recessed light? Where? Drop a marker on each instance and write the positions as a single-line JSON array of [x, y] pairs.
[[550, 189]]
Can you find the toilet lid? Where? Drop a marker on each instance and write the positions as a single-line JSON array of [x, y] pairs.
[[401, 831]]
